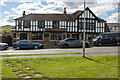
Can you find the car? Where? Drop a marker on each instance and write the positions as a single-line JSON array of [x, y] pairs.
[[71, 42], [26, 44], [107, 39], [3, 46]]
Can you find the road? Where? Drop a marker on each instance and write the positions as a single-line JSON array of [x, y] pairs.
[[104, 50]]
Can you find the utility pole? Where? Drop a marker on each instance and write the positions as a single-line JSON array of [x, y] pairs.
[[84, 33]]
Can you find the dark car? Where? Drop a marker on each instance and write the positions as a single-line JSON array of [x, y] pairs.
[[3, 46], [107, 39], [27, 44], [71, 42]]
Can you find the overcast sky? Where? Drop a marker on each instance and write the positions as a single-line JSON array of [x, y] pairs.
[[11, 9]]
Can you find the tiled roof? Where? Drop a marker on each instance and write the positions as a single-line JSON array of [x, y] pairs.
[[54, 17], [113, 24]]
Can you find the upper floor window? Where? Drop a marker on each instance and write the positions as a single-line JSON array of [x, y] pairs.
[[88, 26], [110, 28], [41, 24], [55, 24], [19, 24], [26, 24], [115, 28]]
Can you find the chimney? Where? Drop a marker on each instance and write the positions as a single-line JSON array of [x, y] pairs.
[[23, 13], [65, 11]]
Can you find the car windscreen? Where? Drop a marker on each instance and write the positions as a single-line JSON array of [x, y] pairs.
[[98, 36], [71, 40], [18, 42]]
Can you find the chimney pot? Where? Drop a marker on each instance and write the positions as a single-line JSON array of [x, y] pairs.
[[65, 11], [23, 13]]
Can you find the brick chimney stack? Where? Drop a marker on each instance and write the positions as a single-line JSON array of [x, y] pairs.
[[65, 11], [23, 13]]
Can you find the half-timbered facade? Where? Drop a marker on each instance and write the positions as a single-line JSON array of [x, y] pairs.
[[50, 28]]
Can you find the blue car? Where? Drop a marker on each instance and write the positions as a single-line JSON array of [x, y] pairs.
[[27, 44]]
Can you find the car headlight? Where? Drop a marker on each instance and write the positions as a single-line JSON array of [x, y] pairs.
[[40, 44], [94, 39]]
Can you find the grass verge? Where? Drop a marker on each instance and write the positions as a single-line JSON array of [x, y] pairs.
[[61, 67], [39, 54]]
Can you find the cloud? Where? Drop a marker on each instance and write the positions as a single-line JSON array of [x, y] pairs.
[[113, 18], [2, 2], [9, 20], [6, 12], [99, 7]]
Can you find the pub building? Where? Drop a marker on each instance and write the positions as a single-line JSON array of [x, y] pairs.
[[49, 29]]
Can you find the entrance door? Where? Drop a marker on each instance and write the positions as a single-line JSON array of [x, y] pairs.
[[23, 36]]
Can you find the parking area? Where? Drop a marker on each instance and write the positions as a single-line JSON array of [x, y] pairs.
[[110, 50]]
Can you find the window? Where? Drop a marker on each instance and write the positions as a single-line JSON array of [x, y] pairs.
[[14, 35], [19, 24], [90, 25], [26, 24], [37, 36], [110, 28], [41, 24], [56, 36], [28, 41], [71, 40], [23, 41], [115, 28], [55, 24], [68, 35]]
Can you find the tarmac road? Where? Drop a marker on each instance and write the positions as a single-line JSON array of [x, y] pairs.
[[93, 50]]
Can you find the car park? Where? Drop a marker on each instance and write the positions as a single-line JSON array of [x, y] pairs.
[[27, 44], [107, 39], [71, 42], [3, 46]]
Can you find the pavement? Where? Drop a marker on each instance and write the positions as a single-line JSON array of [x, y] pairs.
[[93, 51]]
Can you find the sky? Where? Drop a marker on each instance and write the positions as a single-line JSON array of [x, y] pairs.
[[11, 9]]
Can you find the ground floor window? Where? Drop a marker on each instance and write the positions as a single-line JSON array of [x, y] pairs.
[[14, 35], [37, 36], [68, 35], [58, 36]]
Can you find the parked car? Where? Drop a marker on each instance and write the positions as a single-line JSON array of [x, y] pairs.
[[71, 42], [107, 39], [27, 44], [3, 46]]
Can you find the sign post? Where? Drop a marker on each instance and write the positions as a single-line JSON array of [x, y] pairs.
[[84, 33]]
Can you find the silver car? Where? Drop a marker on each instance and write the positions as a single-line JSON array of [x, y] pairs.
[[71, 42], [3, 46]]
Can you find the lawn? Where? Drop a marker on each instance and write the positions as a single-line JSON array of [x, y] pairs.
[[61, 67], [39, 54], [6, 29]]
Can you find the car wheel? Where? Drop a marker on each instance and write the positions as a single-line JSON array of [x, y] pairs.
[[118, 43], [18, 47], [86, 45], [35, 47], [99, 44], [65, 46]]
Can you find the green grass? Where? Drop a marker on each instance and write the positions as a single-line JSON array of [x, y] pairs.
[[63, 67], [39, 54], [6, 29]]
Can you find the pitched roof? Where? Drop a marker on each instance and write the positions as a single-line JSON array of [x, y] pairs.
[[113, 24], [54, 17]]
